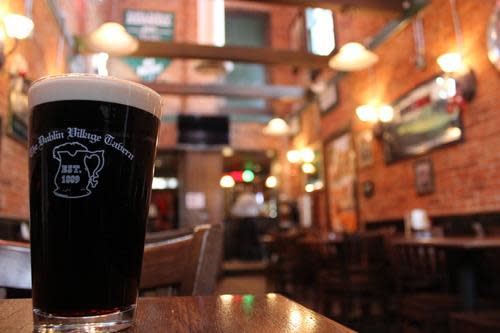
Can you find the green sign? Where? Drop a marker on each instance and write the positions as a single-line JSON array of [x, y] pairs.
[[149, 26]]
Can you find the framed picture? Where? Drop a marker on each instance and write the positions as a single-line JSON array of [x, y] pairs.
[[328, 98], [424, 176], [340, 178], [18, 110], [364, 147], [317, 177], [294, 123], [425, 118]]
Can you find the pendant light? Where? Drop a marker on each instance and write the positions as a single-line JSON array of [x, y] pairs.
[[452, 62], [112, 38], [353, 57], [276, 127]]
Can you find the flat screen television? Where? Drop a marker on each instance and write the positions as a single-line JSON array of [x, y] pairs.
[[202, 130]]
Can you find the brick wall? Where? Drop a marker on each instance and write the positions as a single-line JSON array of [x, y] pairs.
[[467, 175], [40, 52]]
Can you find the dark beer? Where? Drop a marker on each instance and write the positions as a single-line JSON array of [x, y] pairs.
[[91, 168]]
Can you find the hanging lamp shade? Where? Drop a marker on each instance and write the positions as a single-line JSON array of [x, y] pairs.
[[17, 26], [353, 57], [276, 126], [112, 38]]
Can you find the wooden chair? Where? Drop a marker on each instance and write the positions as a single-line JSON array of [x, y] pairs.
[[15, 271], [356, 275], [189, 263], [422, 303], [487, 321]]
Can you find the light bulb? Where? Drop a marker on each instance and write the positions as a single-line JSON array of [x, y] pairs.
[[18, 26], [307, 155], [271, 182], [308, 168], [367, 113], [385, 113], [293, 156], [227, 181], [450, 62]]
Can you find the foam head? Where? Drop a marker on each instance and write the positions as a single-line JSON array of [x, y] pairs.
[[91, 87]]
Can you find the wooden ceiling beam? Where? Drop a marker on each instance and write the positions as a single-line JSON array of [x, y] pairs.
[[394, 5], [230, 53], [227, 90]]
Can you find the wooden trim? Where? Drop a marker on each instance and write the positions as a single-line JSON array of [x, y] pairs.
[[395, 5], [256, 55], [226, 90]]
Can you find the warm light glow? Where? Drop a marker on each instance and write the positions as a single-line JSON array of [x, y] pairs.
[[293, 156], [385, 113], [226, 181], [353, 57], [226, 298], [318, 185], [112, 38], [165, 183], [272, 296], [367, 113], [453, 133], [309, 188], [450, 62], [276, 126], [307, 155], [227, 152], [18, 26], [271, 182], [308, 168]]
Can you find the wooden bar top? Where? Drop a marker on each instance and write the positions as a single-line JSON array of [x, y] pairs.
[[226, 313], [460, 243]]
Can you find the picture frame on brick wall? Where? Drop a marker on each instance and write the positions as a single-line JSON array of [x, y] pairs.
[[364, 148], [328, 98], [18, 110], [423, 170]]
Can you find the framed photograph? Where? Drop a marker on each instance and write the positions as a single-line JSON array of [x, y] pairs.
[[364, 147], [424, 176], [328, 98], [425, 118], [18, 110], [294, 123], [340, 178]]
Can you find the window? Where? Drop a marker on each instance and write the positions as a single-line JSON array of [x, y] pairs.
[[320, 31]]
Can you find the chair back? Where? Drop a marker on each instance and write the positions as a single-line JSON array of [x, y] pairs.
[[15, 263], [189, 262], [419, 267]]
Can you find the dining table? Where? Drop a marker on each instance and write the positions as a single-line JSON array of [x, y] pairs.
[[467, 250], [267, 313]]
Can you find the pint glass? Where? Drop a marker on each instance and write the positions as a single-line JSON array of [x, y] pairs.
[[92, 143]]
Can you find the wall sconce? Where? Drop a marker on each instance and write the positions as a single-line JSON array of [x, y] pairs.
[[16, 27], [454, 67], [374, 114], [293, 156]]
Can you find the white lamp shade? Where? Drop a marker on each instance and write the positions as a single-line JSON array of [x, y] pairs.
[[276, 126], [353, 57], [450, 62], [18, 26], [112, 38]]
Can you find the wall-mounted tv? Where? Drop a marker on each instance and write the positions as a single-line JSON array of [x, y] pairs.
[[203, 130]]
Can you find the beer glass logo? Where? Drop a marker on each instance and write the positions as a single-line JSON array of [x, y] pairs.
[[78, 170]]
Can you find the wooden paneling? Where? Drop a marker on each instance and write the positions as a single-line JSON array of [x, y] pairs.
[[256, 55], [226, 90], [334, 4]]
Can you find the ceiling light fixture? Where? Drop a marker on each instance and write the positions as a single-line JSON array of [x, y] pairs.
[[353, 57], [112, 38], [276, 126]]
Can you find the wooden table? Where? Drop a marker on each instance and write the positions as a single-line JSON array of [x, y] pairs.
[[468, 249], [227, 313]]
